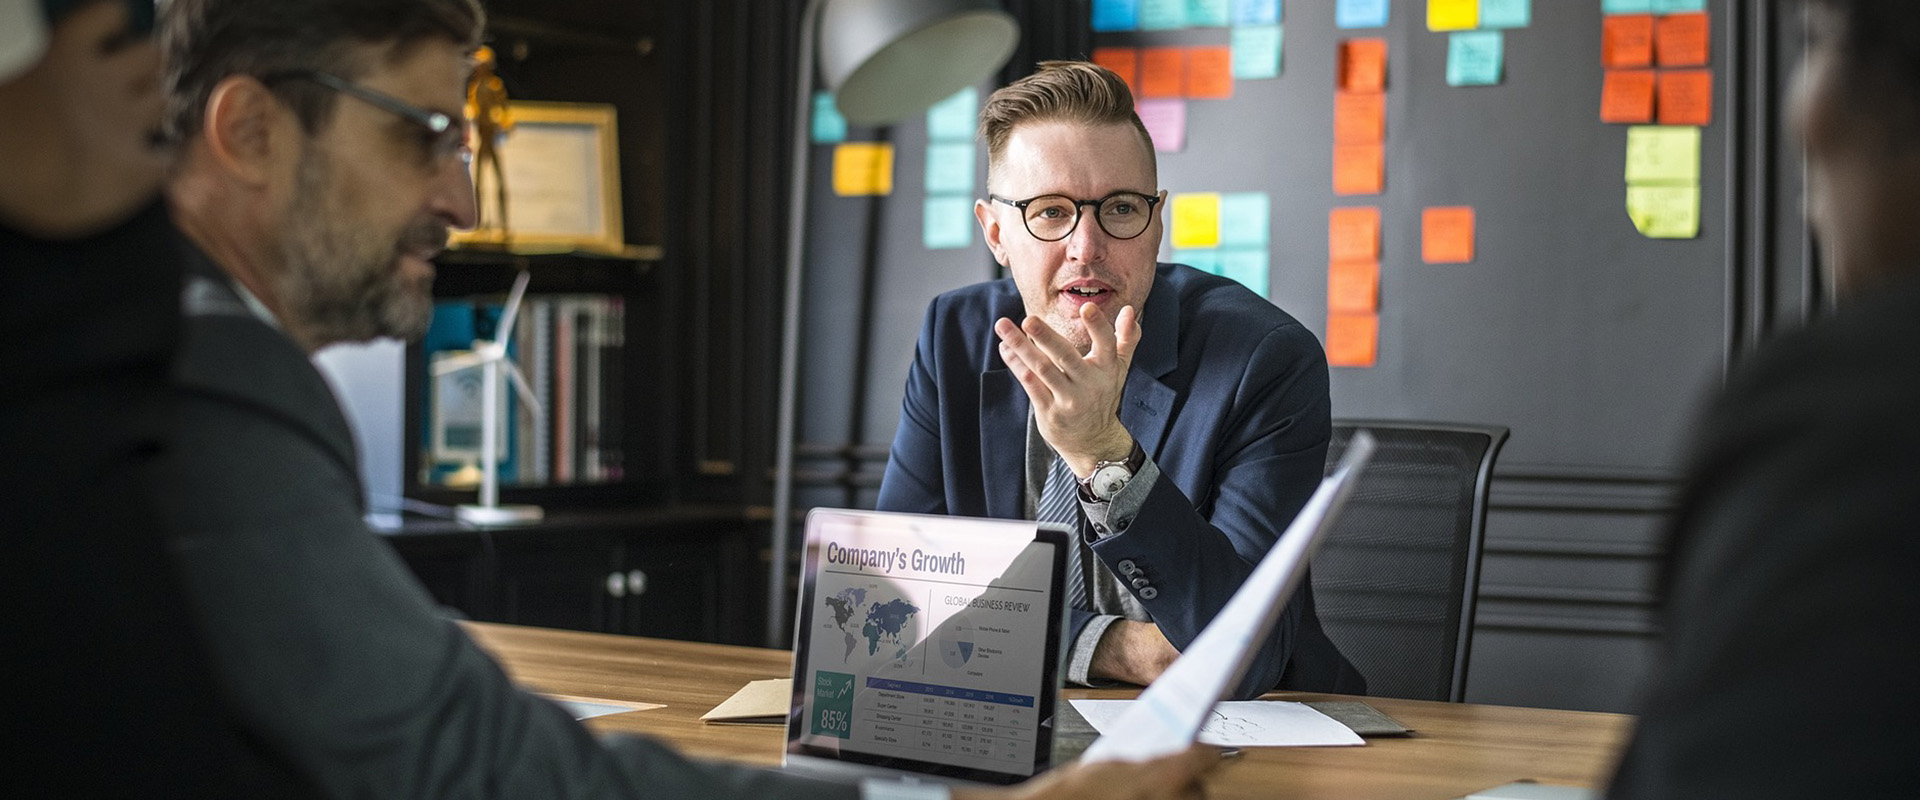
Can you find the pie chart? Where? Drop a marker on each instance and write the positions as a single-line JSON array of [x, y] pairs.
[[956, 643]]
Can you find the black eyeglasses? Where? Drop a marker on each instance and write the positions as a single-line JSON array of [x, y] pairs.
[[443, 136], [1052, 217]]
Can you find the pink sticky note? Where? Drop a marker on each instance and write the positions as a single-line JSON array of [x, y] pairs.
[[1166, 122]]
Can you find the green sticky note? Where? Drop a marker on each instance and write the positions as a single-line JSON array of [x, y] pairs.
[[1248, 266], [1207, 13], [1626, 6], [1245, 219], [1203, 260], [1677, 6], [1360, 14], [947, 222], [952, 119], [1163, 15], [1256, 12], [949, 168], [1506, 13], [1665, 212], [828, 126], [1663, 154], [1256, 52], [1474, 58]]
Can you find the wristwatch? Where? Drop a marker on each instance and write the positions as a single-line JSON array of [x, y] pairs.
[[1109, 477]]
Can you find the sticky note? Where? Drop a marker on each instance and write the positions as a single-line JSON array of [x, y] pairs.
[[1626, 41], [1359, 168], [1506, 13], [1203, 260], [1256, 52], [1627, 96], [1360, 14], [1163, 15], [1245, 219], [1446, 235], [950, 168], [1686, 97], [1166, 122], [1682, 40], [1363, 65], [1667, 154], [1115, 15], [1359, 117], [1453, 15], [1210, 73], [1353, 234], [862, 168], [1163, 71], [1352, 340], [828, 126], [1677, 6], [1248, 265], [947, 222], [1626, 6], [1474, 58], [1208, 13], [1196, 219], [1353, 287], [953, 119], [1256, 12], [1124, 61], [1665, 212]]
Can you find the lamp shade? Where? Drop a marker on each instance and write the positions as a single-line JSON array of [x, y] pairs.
[[886, 60]]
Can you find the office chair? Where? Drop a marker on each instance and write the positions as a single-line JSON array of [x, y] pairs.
[[1394, 582]]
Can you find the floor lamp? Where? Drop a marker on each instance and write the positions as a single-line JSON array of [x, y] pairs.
[[885, 60]]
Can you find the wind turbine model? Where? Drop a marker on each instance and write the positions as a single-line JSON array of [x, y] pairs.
[[491, 358]]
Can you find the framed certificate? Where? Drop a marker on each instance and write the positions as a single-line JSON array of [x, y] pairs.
[[562, 167]]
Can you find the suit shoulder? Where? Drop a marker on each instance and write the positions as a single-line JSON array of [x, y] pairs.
[[1221, 305]]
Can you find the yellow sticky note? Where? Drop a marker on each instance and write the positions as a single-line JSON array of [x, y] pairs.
[[862, 168], [1453, 15], [1665, 212], [1196, 219], [1663, 154]]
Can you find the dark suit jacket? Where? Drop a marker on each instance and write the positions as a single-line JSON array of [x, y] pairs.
[[1793, 590], [323, 641], [1227, 394]]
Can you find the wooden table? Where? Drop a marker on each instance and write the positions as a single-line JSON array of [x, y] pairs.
[[1456, 748]]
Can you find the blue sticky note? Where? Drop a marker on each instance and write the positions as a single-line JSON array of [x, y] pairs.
[[1203, 260], [1115, 15], [1678, 6], [1248, 265], [1626, 6], [1245, 219], [1163, 15], [952, 119], [828, 126], [949, 168], [1474, 58], [948, 222], [1506, 13], [1360, 14], [1256, 52], [1208, 13], [1256, 12]]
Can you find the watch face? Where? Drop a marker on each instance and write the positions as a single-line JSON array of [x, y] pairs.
[[1107, 481]]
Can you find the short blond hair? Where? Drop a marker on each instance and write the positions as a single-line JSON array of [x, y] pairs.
[[1060, 91]]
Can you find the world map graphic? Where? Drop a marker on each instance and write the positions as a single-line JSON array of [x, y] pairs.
[[887, 623]]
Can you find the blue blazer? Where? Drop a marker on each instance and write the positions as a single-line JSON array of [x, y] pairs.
[[1227, 394]]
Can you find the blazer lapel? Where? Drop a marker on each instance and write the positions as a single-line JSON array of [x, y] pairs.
[[1145, 406], [1003, 439]]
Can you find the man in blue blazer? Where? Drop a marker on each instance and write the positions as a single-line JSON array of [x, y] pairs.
[[1190, 415]]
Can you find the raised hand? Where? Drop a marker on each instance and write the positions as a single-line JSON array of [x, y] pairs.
[[1075, 396]]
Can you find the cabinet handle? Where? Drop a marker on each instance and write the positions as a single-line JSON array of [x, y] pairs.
[[616, 584], [636, 582]]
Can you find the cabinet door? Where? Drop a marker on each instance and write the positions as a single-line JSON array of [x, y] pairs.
[[674, 590], [568, 583]]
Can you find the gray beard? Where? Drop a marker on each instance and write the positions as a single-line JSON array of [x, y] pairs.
[[340, 281]]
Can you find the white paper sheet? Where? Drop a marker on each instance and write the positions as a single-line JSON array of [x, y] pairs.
[[1244, 723]]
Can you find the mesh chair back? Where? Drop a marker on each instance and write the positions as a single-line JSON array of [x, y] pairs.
[[1395, 580]]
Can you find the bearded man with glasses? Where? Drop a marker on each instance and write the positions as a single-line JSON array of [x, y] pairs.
[[1176, 419]]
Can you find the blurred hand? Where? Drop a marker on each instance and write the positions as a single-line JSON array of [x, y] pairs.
[[1135, 652], [77, 130], [1176, 776]]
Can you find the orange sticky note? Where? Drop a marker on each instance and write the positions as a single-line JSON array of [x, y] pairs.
[[1446, 235], [1353, 340], [1353, 287], [1359, 168], [1163, 71], [1210, 72], [1360, 117], [1686, 97], [1353, 234], [1681, 40], [1363, 65], [1626, 40], [1627, 96], [1124, 61]]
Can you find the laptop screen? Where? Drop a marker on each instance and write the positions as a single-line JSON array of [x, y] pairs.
[[928, 643]]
